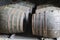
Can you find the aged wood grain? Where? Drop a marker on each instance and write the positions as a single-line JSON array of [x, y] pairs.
[[51, 21]]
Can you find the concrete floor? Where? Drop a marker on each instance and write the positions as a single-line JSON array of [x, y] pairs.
[[15, 37]]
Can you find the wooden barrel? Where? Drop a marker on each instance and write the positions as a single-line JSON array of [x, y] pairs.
[[50, 22], [37, 21], [11, 20], [24, 6]]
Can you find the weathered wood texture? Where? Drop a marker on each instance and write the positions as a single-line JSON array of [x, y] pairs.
[[50, 22], [37, 20], [11, 20], [13, 15]]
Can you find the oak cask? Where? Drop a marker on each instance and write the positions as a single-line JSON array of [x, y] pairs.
[[11, 20], [50, 21]]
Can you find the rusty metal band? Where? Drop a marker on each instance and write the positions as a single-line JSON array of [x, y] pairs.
[[39, 27], [40, 23], [33, 24], [37, 18], [13, 18], [18, 20], [21, 21], [17, 14], [9, 22], [44, 27], [9, 19]]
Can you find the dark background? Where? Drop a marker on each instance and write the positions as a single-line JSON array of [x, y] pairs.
[[56, 2], [37, 2]]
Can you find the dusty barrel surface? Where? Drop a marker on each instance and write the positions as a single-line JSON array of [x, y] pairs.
[[37, 20], [12, 15], [50, 22], [27, 7], [11, 20]]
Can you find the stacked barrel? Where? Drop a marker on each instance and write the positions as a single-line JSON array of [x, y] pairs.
[[46, 21], [13, 16]]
